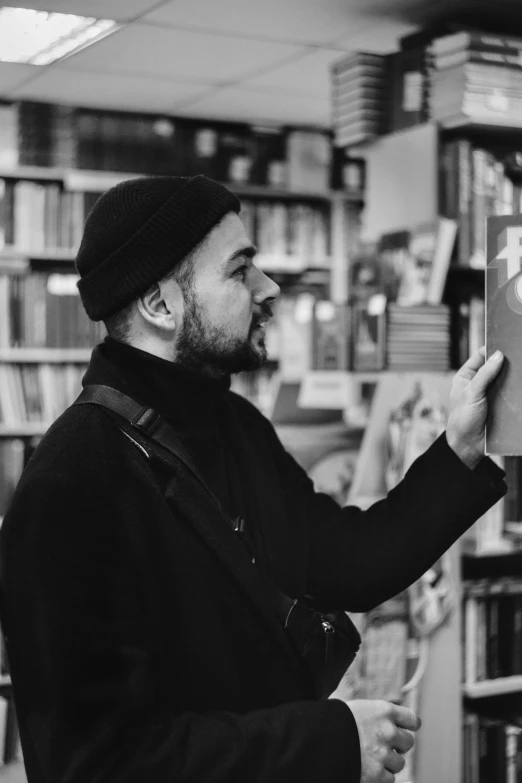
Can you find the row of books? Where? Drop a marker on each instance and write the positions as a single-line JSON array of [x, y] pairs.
[[315, 334], [476, 183], [279, 229], [373, 336], [492, 750], [39, 134], [44, 310], [37, 393], [36, 216], [492, 629]]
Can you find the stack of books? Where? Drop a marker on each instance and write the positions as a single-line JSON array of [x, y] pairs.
[[418, 338], [476, 78], [359, 95]]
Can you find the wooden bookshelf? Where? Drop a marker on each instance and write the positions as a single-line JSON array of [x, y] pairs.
[[28, 430], [18, 254], [45, 355], [94, 181], [497, 687]]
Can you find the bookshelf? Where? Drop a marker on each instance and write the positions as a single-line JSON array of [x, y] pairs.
[[463, 168], [45, 355], [496, 687], [97, 181]]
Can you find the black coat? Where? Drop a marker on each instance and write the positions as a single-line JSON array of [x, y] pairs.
[[141, 642]]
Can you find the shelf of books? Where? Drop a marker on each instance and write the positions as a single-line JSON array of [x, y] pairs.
[[450, 98]]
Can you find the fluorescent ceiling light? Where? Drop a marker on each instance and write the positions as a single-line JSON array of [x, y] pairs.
[[41, 37]]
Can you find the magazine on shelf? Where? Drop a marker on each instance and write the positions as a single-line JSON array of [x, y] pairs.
[[503, 329]]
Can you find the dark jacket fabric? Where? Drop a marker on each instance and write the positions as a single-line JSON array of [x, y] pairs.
[[142, 643]]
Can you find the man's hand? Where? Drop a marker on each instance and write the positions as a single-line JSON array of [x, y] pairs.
[[468, 406], [383, 737]]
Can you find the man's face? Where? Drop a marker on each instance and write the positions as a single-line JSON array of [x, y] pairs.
[[227, 304]]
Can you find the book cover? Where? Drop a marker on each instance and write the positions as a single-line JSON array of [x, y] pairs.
[[503, 324]]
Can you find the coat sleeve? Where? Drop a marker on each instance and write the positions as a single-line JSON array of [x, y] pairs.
[[359, 559], [85, 686]]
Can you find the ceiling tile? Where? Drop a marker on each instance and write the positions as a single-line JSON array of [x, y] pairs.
[[115, 92], [308, 21], [258, 107], [378, 36], [101, 9], [149, 51], [14, 74], [308, 75]]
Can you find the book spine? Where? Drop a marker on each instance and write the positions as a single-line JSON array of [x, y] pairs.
[[464, 200], [479, 205], [492, 56]]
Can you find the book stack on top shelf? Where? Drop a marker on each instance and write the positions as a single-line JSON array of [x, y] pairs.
[[476, 77], [456, 76], [359, 83], [288, 159]]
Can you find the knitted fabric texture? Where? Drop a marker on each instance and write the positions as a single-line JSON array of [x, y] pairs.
[[138, 231]]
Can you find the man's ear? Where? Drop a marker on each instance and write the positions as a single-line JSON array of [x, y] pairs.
[[157, 306]]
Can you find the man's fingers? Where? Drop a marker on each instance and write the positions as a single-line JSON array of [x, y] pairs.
[[406, 719], [403, 741], [394, 762], [486, 374], [474, 363]]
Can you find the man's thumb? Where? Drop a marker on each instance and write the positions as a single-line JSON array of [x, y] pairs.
[[487, 373]]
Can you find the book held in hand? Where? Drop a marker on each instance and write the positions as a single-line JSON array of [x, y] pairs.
[[504, 333]]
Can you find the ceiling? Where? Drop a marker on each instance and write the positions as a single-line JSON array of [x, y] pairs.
[[263, 61]]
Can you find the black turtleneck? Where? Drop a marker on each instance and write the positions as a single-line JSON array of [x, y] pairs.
[[192, 403]]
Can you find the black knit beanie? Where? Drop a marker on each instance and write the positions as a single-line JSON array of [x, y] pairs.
[[138, 231]]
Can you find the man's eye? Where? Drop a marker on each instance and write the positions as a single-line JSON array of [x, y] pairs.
[[241, 271]]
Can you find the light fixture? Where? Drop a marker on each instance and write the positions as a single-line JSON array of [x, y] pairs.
[[41, 37]]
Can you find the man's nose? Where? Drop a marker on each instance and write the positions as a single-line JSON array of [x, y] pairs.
[[266, 289]]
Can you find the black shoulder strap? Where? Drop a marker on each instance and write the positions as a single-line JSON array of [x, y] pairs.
[[149, 423], [145, 420]]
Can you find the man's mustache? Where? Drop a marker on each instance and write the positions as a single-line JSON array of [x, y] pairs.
[[265, 314]]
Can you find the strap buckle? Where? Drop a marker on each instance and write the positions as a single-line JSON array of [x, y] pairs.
[[147, 420]]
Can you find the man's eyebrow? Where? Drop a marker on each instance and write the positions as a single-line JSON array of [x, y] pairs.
[[248, 250]]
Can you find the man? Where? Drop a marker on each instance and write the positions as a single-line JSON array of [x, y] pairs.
[[142, 644]]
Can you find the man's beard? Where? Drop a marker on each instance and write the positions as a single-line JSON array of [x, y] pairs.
[[204, 348]]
